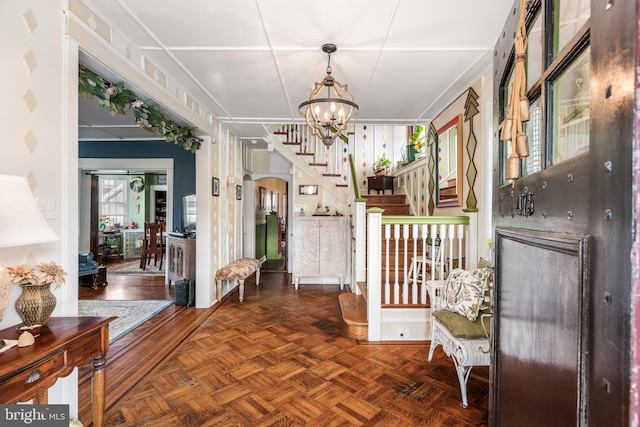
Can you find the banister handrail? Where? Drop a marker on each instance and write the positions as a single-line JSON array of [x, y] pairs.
[[407, 219]]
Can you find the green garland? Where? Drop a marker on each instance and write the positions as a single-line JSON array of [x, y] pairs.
[[115, 98]]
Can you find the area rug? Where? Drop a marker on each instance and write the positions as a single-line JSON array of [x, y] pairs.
[[133, 267], [131, 314]]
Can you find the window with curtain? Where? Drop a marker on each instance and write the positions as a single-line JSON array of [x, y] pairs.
[[113, 200]]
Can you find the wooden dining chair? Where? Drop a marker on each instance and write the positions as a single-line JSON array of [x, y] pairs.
[[152, 245]]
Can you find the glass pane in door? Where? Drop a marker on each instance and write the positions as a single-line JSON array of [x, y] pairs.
[[534, 52], [570, 17], [571, 110]]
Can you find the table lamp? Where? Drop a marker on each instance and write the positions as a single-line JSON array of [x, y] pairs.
[[21, 223]]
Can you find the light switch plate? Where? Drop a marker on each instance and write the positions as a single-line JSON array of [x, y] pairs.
[[47, 207]]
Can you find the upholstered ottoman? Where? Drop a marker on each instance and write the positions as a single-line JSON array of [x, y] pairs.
[[239, 270]]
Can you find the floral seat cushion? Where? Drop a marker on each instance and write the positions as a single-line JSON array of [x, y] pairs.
[[238, 270]]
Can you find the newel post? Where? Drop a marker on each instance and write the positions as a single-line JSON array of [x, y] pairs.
[[374, 255], [360, 244], [471, 251]]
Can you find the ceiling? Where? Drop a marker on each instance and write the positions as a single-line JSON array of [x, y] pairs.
[[252, 62]]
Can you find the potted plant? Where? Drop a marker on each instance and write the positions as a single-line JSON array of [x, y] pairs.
[[36, 302], [415, 144], [381, 166]]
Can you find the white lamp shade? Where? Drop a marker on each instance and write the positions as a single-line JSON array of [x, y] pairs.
[[21, 222]]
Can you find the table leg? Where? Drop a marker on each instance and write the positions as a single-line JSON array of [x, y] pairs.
[[98, 381], [42, 397]]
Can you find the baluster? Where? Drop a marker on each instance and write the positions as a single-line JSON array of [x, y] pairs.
[[452, 235], [461, 229], [396, 285], [405, 255], [432, 251], [414, 265], [387, 286], [443, 235], [306, 138], [423, 285]]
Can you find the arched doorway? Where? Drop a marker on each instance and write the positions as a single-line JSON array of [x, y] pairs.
[[272, 210]]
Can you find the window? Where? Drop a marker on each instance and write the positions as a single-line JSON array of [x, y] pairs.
[[557, 85], [113, 200], [533, 163], [534, 52], [571, 110], [570, 16]]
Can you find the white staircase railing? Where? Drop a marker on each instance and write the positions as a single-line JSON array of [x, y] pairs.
[[329, 161], [399, 261]]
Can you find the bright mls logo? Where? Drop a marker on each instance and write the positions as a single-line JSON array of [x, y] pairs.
[[34, 415]]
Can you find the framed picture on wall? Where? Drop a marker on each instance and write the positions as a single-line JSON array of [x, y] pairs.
[[262, 198], [308, 189], [215, 186], [238, 192], [274, 201]]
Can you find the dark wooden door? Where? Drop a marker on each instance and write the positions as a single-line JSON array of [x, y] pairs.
[[563, 230]]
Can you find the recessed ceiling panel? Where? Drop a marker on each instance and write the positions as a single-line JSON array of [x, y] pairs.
[[447, 25], [415, 84], [354, 24], [201, 23], [245, 83]]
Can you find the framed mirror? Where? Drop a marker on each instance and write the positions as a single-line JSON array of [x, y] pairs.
[[449, 164], [308, 189]]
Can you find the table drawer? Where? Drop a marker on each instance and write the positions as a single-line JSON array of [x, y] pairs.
[[31, 378]]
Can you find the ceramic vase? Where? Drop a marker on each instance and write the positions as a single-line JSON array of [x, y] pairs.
[[36, 303]]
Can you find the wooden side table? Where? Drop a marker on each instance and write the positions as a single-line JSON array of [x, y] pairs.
[[28, 372], [380, 182]]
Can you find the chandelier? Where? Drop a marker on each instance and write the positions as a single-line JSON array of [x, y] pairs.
[[327, 117]]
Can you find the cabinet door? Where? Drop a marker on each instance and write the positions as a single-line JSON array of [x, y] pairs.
[[306, 248], [332, 247]]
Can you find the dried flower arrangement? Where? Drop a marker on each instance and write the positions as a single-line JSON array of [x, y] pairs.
[[45, 273]]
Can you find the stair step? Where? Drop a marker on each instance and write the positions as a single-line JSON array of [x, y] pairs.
[[291, 143], [305, 154], [363, 289], [378, 199], [330, 174], [342, 185], [354, 316], [390, 209], [318, 164]]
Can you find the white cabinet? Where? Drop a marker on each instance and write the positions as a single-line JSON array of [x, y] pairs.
[[132, 242], [181, 258], [320, 248]]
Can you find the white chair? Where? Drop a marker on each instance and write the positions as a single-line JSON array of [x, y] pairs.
[[432, 269], [468, 348]]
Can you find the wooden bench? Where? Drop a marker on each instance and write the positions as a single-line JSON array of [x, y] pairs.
[[239, 270], [466, 342]]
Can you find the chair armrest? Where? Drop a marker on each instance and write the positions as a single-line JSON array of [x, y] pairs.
[[435, 288], [482, 317]]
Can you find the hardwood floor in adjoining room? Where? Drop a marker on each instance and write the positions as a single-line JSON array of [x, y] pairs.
[[129, 287], [279, 358]]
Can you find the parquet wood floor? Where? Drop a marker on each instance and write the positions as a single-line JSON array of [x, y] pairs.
[[278, 359]]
